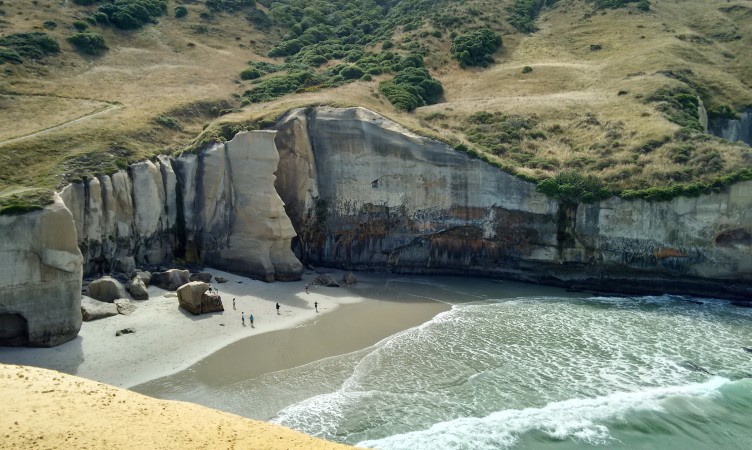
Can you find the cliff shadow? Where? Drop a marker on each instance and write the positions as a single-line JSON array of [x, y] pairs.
[[64, 358]]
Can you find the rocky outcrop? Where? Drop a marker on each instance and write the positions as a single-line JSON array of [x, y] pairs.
[[40, 277], [137, 289], [734, 130], [326, 279], [94, 309], [195, 298], [170, 280], [201, 276], [218, 208], [367, 194], [124, 306], [106, 289]]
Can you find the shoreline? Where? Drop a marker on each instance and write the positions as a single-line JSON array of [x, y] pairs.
[[168, 340]]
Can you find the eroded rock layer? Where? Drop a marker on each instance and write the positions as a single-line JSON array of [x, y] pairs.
[[218, 207], [364, 193], [40, 277]]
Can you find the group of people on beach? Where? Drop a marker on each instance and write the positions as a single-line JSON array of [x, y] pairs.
[[250, 315]]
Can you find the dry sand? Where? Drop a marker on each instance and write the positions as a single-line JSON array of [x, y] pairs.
[[42, 409]]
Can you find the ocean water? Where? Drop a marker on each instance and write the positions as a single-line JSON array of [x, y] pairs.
[[516, 367]]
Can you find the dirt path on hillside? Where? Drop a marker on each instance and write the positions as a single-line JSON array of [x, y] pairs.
[[106, 109]]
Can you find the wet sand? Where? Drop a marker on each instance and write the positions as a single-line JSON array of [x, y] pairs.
[[349, 328]]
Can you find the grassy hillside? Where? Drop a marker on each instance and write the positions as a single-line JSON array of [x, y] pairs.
[[577, 88]]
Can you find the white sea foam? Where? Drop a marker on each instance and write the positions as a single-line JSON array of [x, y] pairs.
[[577, 418]]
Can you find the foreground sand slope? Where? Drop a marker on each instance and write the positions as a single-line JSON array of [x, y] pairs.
[[47, 409]]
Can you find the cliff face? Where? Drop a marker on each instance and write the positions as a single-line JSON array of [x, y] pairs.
[[40, 278], [364, 193], [735, 130], [192, 207]]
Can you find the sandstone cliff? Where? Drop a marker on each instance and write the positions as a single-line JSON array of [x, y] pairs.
[[40, 277], [364, 193], [218, 207]]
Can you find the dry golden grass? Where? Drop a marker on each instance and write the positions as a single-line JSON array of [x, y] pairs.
[[170, 69]]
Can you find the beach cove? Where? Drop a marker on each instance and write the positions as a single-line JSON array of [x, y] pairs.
[[168, 339]]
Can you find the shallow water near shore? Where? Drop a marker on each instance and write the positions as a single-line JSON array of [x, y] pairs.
[[514, 366]]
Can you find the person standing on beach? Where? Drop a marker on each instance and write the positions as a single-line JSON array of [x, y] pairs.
[[250, 319], [242, 317], [306, 289], [316, 306], [277, 308], [233, 303]]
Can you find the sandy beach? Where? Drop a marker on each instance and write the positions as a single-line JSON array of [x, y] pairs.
[[47, 409], [168, 339]]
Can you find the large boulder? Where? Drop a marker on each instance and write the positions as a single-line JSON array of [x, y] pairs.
[[106, 289], [94, 309], [124, 306], [137, 289], [350, 279], [143, 275], [194, 298], [171, 279], [326, 279], [201, 276]]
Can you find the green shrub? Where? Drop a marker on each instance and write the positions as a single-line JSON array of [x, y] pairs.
[[133, 14], [9, 55], [259, 19], [476, 47], [80, 25], [366, 77], [613, 4], [50, 24], [527, 69], [679, 104], [85, 2], [522, 14], [400, 96], [169, 122], [250, 74], [181, 11], [574, 187], [279, 85], [229, 5], [89, 42], [34, 45]]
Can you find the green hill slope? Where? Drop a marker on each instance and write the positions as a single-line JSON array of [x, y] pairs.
[[561, 90]]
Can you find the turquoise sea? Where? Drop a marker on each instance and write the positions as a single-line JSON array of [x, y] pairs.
[[515, 366]]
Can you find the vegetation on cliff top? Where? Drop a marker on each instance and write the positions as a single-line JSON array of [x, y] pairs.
[[601, 88]]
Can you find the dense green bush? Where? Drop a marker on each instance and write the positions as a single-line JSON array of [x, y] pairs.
[[132, 14], [50, 24], [259, 19], [679, 104], [411, 88], [9, 55], [522, 14], [229, 5], [279, 85], [33, 45], [181, 11], [476, 47], [613, 4], [250, 74], [80, 25], [169, 122], [574, 187], [89, 42]]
